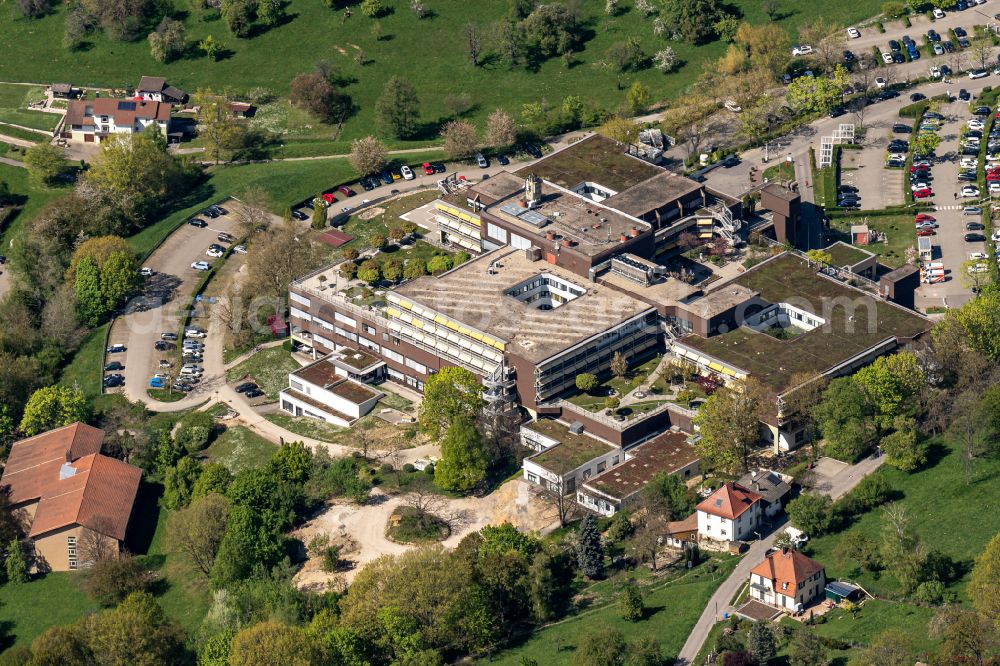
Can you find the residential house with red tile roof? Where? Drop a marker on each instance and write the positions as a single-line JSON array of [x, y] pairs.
[[93, 120], [731, 513], [787, 579], [69, 494]]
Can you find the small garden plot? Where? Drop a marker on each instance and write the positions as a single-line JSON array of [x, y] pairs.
[[267, 368], [239, 448], [414, 525]]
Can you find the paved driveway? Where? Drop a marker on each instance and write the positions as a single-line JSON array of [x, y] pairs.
[[950, 246], [839, 485], [167, 293]]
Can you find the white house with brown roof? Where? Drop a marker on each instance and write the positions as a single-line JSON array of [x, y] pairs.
[[156, 89], [787, 579], [70, 494], [93, 120], [321, 391], [731, 513]]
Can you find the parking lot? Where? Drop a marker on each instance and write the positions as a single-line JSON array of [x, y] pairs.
[[865, 169], [160, 307], [950, 248]]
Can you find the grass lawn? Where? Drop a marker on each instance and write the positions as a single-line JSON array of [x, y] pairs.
[[671, 612], [269, 368], [364, 229], [29, 196], [307, 427], [782, 171], [85, 369], [285, 182], [394, 400], [239, 448], [19, 133], [825, 186], [428, 51], [13, 107], [875, 618], [28, 610], [938, 499], [899, 233]]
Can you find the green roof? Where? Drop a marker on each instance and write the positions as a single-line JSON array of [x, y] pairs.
[[594, 159], [846, 255], [572, 451], [855, 322]]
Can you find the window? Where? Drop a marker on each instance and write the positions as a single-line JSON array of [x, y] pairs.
[[368, 344], [350, 335], [419, 367], [532, 477], [299, 298], [393, 356], [295, 385], [370, 330], [344, 319], [71, 551], [301, 314], [601, 466], [496, 233], [519, 243]]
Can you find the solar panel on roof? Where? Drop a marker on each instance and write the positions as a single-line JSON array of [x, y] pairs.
[[533, 218], [512, 209]]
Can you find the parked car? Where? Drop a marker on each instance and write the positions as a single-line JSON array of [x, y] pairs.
[[428, 169], [533, 150], [439, 167], [503, 160], [209, 213], [938, 13], [972, 210], [386, 177], [346, 191], [916, 97], [212, 252], [200, 266], [161, 345], [964, 95], [923, 194], [245, 386], [116, 349], [974, 238], [195, 222], [960, 32], [853, 33], [933, 36], [974, 226], [924, 217], [802, 50], [482, 161], [114, 365], [926, 232], [299, 215], [407, 172], [253, 393], [240, 249], [894, 45], [194, 332]]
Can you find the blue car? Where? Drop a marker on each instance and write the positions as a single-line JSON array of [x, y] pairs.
[[914, 53], [156, 382]]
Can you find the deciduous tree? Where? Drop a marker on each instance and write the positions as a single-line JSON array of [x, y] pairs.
[[368, 155], [460, 139], [53, 407], [729, 423], [463, 461], [46, 163], [501, 130], [983, 588]]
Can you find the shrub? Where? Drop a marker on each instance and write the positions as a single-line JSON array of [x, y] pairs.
[[409, 468], [385, 468], [111, 579]]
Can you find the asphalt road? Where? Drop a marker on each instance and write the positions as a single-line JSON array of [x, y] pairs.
[[718, 604], [167, 292]]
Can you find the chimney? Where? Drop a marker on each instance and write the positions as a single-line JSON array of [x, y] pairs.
[[69, 455], [551, 235], [635, 232], [623, 238], [784, 550], [533, 190]]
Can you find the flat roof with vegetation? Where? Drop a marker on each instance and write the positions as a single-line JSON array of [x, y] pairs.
[[572, 451], [849, 330], [595, 159], [847, 255]]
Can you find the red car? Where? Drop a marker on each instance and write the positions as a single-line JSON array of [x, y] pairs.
[[346, 191], [329, 198], [926, 232], [924, 217], [428, 169], [923, 193]]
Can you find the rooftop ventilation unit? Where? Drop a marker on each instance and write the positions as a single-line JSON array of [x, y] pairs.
[[576, 428], [635, 268]]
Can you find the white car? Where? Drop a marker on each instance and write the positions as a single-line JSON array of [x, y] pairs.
[[886, 57], [938, 13], [194, 333], [978, 73], [407, 172], [994, 187], [969, 191], [214, 252], [935, 72], [802, 50], [880, 82], [200, 266], [978, 268], [919, 186], [146, 272], [853, 33], [975, 124], [192, 368], [995, 237], [976, 256], [968, 163], [240, 249], [733, 106]]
